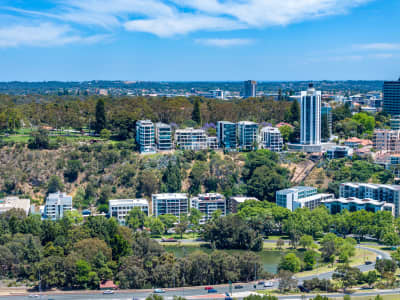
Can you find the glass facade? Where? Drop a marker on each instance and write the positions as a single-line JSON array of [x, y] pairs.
[[310, 133], [145, 136], [226, 133], [163, 137], [391, 97], [247, 135]]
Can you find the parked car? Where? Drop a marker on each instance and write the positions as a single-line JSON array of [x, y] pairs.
[[268, 284], [368, 262], [238, 286], [159, 291], [108, 292], [208, 288], [212, 291], [169, 240], [261, 282]]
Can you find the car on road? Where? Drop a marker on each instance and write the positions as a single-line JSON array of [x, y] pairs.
[[368, 262], [261, 282], [159, 291], [169, 240], [268, 284], [212, 291], [238, 286], [208, 288], [108, 292], [303, 289]]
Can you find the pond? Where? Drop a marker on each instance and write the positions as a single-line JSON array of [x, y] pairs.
[[269, 258]]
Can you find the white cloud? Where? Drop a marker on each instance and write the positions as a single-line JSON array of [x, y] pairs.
[[167, 18], [45, 34], [379, 46], [224, 42]]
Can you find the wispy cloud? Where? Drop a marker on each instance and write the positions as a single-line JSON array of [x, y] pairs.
[[42, 35], [378, 46], [224, 42]]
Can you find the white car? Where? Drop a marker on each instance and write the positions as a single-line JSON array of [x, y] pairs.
[[268, 284], [108, 292]]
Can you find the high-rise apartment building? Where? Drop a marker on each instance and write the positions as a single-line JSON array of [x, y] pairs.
[[207, 204], [299, 197], [391, 97], [56, 205], [380, 192], [247, 133], [120, 208], [145, 136], [163, 136], [250, 89], [387, 140], [310, 131], [171, 203], [271, 139], [326, 122], [191, 139], [226, 134]]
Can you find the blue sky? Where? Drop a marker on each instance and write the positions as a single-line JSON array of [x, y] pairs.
[[186, 40]]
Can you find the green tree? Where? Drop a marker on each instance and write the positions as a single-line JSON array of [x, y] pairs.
[[101, 120], [196, 114], [81, 278], [156, 226], [310, 259], [168, 220], [290, 262], [348, 276], [286, 131], [286, 281], [172, 178], [105, 134], [294, 112], [55, 184], [306, 241], [264, 183], [73, 168], [391, 238], [39, 140], [136, 218]]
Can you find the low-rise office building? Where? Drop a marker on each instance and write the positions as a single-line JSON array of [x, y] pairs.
[[300, 197], [191, 139], [381, 192], [207, 204], [271, 139], [234, 202], [120, 208], [9, 203], [56, 206], [170, 203], [339, 152], [355, 204]]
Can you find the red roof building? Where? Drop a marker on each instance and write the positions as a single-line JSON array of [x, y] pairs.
[[108, 285]]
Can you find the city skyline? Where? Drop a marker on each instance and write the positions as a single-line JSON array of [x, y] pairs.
[[188, 40]]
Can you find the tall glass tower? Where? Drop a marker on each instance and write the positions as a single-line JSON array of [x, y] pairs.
[[391, 97], [310, 131]]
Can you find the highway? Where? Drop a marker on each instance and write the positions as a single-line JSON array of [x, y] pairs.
[[199, 292]]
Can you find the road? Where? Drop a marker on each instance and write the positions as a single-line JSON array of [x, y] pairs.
[[199, 292]]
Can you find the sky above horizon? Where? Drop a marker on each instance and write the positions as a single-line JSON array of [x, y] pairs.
[[199, 40]]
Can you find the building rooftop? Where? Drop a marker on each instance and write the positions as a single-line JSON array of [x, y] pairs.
[[373, 185], [247, 123], [296, 189], [358, 201], [314, 197], [128, 201], [14, 202], [167, 196], [242, 199]]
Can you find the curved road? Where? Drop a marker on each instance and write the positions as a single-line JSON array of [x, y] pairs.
[[199, 292]]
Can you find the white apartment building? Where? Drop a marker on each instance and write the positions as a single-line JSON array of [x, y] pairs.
[[170, 203], [271, 139], [56, 205], [207, 204], [145, 136], [9, 203], [310, 131], [120, 208], [191, 139]]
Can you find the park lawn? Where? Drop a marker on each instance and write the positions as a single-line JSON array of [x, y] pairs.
[[185, 236], [277, 237], [272, 246], [16, 138], [357, 260]]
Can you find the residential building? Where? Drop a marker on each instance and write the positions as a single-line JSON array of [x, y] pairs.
[[163, 135], [145, 136], [250, 89], [391, 97], [212, 143], [217, 94], [9, 203], [207, 204], [191, 139], [56, 205], [234, 202], [247, 133], [310, 131], [380, 192], [300, 197], [339, 152], [326, 120], [172, 203], [271, 139], [395, 123], [355, 204], [386, 140], [355, 142], [120, 208], [226, 134]]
